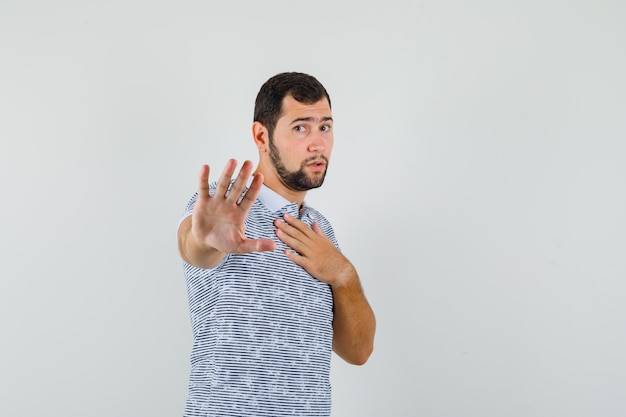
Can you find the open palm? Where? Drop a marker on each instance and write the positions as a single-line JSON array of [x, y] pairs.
[[218, 221]]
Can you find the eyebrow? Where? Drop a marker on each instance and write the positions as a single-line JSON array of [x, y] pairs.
[[311, 119]]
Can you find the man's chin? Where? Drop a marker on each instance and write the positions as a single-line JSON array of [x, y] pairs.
[[304, 181], [309, 185], [316, 181]]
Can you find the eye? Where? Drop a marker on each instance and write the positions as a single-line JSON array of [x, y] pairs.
[[299, 129], [325, 128]]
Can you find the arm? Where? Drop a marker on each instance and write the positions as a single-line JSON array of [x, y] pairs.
[[217, 225], [354, 324]]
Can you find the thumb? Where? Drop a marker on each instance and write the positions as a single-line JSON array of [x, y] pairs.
[[263, 245]]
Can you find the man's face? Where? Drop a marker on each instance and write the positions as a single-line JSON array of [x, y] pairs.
[[301, 144]]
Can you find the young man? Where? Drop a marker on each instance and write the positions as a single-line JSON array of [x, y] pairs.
[[270, 294]]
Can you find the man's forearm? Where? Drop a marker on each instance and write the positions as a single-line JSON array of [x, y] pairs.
[[354, 323]]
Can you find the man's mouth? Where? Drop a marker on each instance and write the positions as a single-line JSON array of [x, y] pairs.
[[317, 165]]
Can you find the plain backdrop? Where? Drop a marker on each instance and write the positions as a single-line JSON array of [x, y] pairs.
[[477, 183]]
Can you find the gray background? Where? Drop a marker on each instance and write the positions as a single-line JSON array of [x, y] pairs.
[[477, 183]]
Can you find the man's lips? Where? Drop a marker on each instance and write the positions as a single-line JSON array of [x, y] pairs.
[[317, 165]]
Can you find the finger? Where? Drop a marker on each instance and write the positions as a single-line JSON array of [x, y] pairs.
[[263, 245], [297, 224], [294, 228], [253, 192], [296, 258], [203, 183], [224, 181], [240, 182], [318, 230], [256, 245], [289, 236]]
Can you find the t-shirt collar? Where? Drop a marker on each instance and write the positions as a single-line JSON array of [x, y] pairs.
[[275, 202]]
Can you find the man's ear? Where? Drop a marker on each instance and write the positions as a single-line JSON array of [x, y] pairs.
[[260, 136]]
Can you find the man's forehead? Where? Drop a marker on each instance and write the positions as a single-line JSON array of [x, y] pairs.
[[319, 109]]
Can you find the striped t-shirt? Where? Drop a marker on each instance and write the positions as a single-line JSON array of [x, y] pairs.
[[262, 327]]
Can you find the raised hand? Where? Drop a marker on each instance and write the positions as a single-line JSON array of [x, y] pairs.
[[218, 221]]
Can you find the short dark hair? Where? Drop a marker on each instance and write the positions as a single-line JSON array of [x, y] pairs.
[[303, 88]]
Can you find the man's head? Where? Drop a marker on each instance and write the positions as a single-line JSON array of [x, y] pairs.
[[293, 131], [302, 87]]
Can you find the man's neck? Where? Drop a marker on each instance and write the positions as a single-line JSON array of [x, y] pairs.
[[271, 181]]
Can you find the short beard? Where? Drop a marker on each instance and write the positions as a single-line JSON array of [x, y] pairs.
[[297, 180]]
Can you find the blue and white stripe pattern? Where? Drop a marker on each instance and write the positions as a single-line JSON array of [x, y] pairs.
[[262, 327]]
